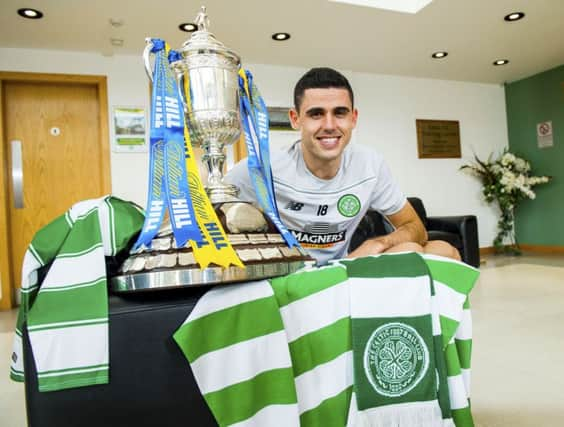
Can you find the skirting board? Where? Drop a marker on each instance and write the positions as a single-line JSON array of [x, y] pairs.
[[539, 249]]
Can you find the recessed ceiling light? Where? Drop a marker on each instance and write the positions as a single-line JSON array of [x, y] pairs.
[[279, 37], [515, 16], [188, 27], [501, 61], [26, 12], [439, 55]]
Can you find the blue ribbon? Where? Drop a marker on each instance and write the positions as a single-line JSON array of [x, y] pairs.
[[168, 182], [181, 210], [260, 114], [156, 196], [255, 124]]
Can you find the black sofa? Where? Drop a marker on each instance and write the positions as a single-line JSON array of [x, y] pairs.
[[460, 231]]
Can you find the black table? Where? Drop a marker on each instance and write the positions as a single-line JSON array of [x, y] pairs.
[[151, 383]]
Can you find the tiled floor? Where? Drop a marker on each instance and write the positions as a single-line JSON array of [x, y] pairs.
[[518, 345], [518, 359]]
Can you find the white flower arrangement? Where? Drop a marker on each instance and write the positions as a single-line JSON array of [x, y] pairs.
[[507, 181]]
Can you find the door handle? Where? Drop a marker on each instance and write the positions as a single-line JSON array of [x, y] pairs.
[[17, 173]]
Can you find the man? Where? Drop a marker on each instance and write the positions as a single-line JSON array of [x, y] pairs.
[[324, 186]]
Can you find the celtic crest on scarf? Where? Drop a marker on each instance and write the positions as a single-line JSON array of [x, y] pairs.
[[395, 359]]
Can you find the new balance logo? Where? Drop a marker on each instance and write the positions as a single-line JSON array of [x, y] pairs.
[[295, 206]]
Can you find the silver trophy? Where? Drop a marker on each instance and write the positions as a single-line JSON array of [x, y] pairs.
[[211, 108]]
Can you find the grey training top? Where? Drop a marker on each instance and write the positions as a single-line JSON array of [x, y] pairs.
[[323, 214]]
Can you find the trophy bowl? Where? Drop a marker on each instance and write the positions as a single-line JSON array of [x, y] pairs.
[[208, 82]]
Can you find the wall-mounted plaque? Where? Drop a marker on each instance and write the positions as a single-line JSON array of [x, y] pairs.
[[438, 139]]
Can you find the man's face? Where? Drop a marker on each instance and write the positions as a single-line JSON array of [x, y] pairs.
[[326, 119]]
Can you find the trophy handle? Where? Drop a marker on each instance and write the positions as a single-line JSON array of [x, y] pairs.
[[180, 79], [147, 58]]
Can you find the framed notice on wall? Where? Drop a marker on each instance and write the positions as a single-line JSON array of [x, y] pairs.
[[130, 129], [438, 139]]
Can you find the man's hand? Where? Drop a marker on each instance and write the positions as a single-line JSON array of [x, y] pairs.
[[371, 247], [409, 235]]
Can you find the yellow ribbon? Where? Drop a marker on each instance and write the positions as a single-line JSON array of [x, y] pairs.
[[243, 75]]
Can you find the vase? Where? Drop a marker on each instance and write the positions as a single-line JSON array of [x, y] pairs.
[[505, 241]]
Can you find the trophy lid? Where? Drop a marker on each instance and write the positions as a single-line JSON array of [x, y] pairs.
[[202, 41]]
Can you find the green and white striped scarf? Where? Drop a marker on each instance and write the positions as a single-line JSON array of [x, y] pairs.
[[281, 353], [452, 282], [67, 314]]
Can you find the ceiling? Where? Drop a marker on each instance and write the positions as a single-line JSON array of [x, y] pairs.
[[323, 33]]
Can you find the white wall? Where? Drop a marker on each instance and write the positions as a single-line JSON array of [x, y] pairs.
[[388, 107]]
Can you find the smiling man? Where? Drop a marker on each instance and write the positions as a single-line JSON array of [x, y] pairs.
[[324, 186]]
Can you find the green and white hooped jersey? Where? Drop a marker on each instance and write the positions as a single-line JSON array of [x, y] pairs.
[[66, 314], [323, 214]]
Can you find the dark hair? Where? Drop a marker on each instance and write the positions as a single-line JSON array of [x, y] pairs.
[[320, 78]]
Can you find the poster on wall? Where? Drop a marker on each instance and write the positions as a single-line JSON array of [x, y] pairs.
[[129, 129], [544, 135]]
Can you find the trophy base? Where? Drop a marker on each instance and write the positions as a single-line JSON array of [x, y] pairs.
[[196, 277], [253, 237]]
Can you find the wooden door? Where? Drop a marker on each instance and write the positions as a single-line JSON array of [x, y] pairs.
[[58, 128]]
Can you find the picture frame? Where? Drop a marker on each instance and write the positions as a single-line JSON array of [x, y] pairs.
[[279, 119], [129, 129]]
